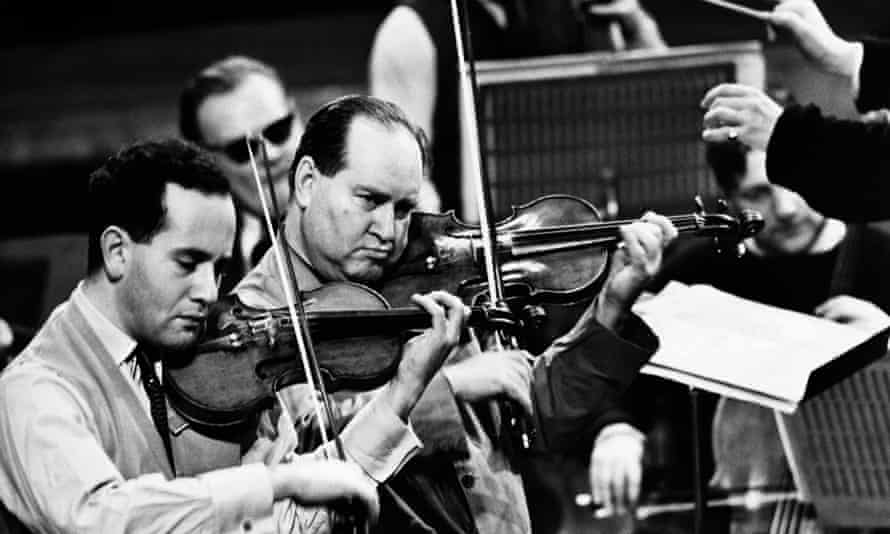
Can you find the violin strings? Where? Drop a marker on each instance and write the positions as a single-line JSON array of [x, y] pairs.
[[597, 232]]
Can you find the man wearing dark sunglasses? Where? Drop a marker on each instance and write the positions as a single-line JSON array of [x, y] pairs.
[[227, 107]]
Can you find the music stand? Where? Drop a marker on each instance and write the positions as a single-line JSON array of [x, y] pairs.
[[838, 447]]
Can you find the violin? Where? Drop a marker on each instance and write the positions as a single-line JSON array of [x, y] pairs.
[[248, 354], [553, 250]]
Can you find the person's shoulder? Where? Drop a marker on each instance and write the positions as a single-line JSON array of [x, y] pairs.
[[409, 23], [30, 380], [33, 364]]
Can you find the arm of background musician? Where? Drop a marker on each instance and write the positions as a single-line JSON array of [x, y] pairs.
[[587, 368], [640, 28], [56, 475], [841, 167], [403, 71], [582, 374]]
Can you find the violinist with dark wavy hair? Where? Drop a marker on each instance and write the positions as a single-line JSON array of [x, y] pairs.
[[356, 178], [87, 442]]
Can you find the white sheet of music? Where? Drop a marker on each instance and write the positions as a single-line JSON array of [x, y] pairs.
[[739, 348]]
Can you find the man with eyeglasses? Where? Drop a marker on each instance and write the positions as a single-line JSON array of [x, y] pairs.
[[227, 104]]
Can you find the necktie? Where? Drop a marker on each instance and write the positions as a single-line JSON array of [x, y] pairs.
[[155, 392]]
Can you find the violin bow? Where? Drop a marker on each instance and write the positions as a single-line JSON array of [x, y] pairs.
[[297, 313], [470, 129]]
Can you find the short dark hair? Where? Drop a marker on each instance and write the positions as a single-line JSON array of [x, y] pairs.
[[128, 189], [218, 78], [324, 139], [729, 163]]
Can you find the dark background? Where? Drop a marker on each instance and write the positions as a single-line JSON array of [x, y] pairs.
[[81, 80]]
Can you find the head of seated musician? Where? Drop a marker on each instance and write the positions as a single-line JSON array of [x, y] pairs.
[[86, 444], [356, 180], [218, 106], [791, 226]]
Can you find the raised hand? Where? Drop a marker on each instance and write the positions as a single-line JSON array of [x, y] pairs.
[[423, 354], [634, 264], [739, 112], [817, 41]]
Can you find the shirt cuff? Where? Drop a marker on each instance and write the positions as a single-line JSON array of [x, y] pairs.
[[241, 495], [379, 441]]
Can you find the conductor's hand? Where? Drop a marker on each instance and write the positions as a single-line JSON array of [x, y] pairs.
[[423, 354], [634, 264], [312, 481], [739, 112], [616, 467], [493, 373], [815, 38], [854, 312]]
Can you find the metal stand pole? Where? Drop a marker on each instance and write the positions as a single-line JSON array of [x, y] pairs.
[[698, 482]]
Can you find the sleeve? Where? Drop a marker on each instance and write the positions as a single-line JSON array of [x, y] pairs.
[[841, 167], [435, 420], [578, 381], [56, 476], [874, 78], [374, 436]]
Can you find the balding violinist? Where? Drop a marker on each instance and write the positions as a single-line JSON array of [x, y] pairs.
[[356, 178], [87, 442]]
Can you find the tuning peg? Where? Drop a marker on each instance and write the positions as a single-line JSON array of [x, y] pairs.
[[722, 206], [699, 205]]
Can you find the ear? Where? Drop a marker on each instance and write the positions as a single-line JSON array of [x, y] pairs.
[[305, 181], [117, 248]]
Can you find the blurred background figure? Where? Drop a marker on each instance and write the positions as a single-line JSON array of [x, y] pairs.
[[226, 106], [801, 260], [414, 61]]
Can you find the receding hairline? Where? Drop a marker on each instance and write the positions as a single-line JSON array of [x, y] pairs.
[[372, 123]]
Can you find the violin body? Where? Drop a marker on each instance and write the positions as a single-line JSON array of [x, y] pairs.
[[247, 355], [445, 253], [553, 255]]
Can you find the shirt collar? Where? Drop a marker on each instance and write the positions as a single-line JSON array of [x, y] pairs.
[[114, 340]]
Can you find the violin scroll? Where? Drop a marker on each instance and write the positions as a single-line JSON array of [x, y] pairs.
[[728, 231]]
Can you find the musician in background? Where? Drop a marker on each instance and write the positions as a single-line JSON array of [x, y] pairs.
[[414, 61], [87, 441], [7, 338], [356, 177], [802, 261], [808, 151], [218, 106]]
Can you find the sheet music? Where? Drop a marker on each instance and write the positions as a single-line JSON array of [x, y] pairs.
[[740, 348]]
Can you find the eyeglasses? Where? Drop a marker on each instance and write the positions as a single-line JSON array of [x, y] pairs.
[[276, 133]]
